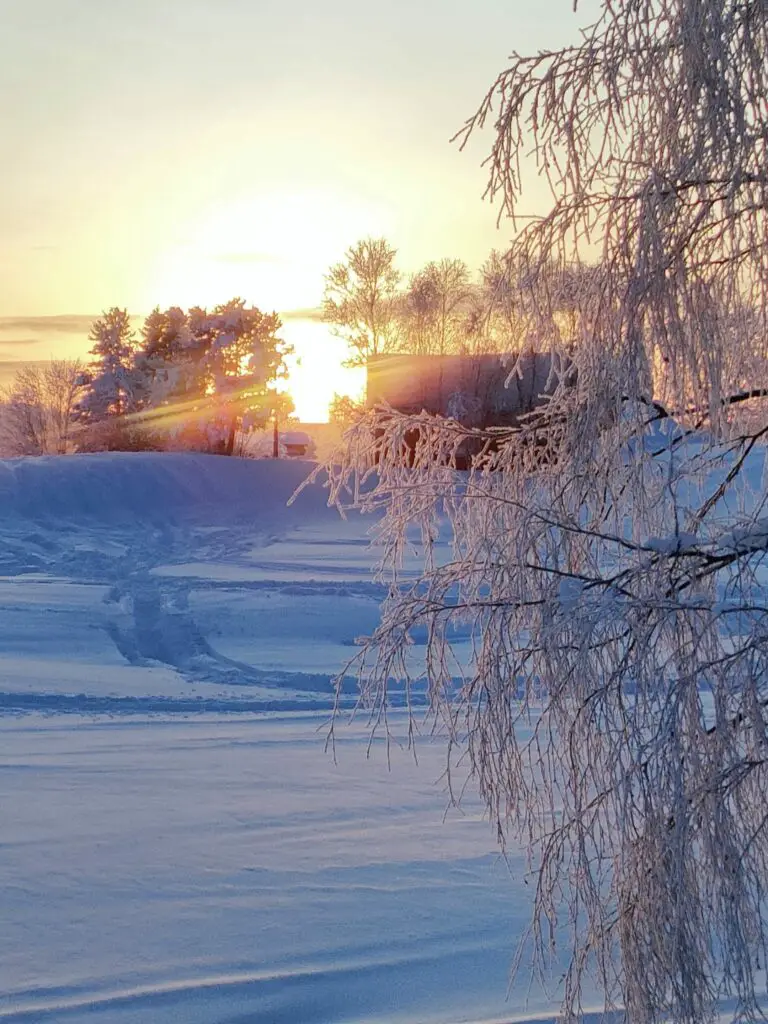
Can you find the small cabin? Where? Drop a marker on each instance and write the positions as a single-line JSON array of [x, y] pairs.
[[295, 444], [481, 391], [485, 390]]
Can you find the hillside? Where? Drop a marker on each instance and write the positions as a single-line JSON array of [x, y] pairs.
[[156, 486]]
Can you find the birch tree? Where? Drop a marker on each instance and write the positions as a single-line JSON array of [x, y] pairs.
[[361, 300], [36, 413], [434, 308], [607, 557]]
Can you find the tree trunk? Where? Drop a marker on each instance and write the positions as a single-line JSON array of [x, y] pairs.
[[230, 446]]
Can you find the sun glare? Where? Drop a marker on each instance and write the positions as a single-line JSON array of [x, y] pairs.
[[316, 370], [273, 250]]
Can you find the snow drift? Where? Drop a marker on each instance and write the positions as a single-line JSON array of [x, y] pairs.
[[177, 843], [156, 486]]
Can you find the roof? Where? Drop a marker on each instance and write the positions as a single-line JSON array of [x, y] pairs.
[[481, 389], [295, 437]]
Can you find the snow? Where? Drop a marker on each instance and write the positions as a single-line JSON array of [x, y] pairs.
[[295, 437], [676, 543], [159, 488], [570, 591], [178, 845], [203, 869], [752, 537]]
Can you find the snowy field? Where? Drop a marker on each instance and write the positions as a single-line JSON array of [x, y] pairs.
[[176, 844]]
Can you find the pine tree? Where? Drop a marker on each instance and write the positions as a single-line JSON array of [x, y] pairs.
[[110, 383], [160, 361], [210, 372], [237, 354]]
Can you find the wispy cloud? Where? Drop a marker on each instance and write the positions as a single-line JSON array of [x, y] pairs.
[[68, 323], [310, 313], [31, 330], [18, 342]]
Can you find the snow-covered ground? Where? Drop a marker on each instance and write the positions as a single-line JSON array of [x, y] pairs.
[[176, 843]]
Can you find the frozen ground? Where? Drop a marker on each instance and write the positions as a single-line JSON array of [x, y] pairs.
[[176, 845], [220, 868]]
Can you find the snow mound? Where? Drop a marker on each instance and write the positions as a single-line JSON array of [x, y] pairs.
[[158, 487]]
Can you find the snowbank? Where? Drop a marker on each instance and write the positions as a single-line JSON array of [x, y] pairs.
[[158, 487], [178, 845]]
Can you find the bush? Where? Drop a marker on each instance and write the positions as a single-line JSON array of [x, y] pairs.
[[119, 435]]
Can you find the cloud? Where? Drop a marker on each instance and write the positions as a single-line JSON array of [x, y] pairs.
[[18, 342], [310, 313], [69, 323], [31, 330]]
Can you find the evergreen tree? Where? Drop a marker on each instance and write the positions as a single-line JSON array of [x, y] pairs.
[[109, 385], [160, 360], [212, 370]]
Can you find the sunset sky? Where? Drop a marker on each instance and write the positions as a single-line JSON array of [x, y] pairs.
[[185, 151]]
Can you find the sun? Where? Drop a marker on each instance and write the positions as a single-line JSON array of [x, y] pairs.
[[272, 249], [316, 372]]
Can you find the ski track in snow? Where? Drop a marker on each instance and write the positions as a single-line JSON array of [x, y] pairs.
[[178, 596], [177, 844]]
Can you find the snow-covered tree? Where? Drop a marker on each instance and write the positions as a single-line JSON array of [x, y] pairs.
[[433, 309], [195, 378], [361, 301], [607, 566], [211, 372], [345, 410], [36, 411], [165, 339], [110, 384]]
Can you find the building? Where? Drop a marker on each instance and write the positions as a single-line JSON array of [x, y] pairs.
[[486, 390], [481, 391], [296, 444]]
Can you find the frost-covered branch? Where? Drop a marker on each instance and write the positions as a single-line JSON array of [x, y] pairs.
[[600, 651], [584, 611]]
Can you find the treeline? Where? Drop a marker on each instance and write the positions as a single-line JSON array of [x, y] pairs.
[[515, 307], [443, 308], [196, 379]]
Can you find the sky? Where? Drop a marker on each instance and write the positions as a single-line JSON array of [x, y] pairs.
[[182, 152]]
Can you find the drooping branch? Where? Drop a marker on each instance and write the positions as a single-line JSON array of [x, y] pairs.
[[590, 625]]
